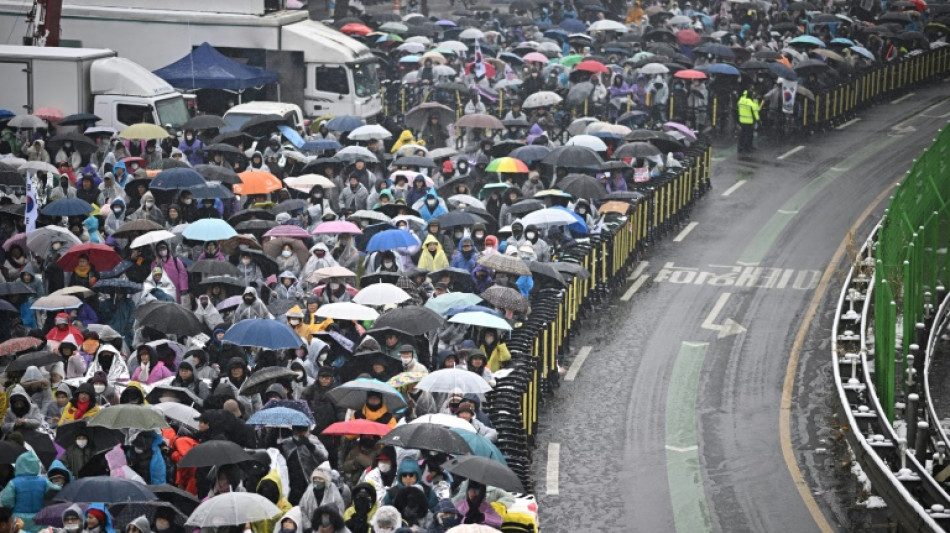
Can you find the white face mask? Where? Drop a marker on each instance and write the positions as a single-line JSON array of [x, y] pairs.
[[530, 234], [187, 201], [81, 443], [149, 205], [189, 137], [246, 261], [385, 467], [294, 322], [334, 286], [163, 253], [285, 253], [406, 361], [388, 264], [71, 528], [99, 388]]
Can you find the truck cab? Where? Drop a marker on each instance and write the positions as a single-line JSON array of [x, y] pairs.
[[125, 93], [241, 113]]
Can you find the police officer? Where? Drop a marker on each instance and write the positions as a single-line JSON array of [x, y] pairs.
[[748, 116]]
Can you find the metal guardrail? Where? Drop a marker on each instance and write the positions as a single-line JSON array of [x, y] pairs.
[[940, 322]]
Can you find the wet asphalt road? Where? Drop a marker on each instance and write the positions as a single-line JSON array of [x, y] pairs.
[[673, 426]]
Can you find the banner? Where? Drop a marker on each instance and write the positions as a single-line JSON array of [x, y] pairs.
[[789, 88], [30, 213]]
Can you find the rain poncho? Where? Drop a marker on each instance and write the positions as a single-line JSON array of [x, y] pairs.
[[207, 313], [109, 360], [92, 227], [115, 220], [163, 285], [271, 483], [26, 492], [22, 413], [315, 263], [329, 494], [255, 309], [432, 261], [428, 212], [288, 292], [462, 259]]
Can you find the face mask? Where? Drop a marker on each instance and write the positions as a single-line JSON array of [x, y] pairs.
[[385, 467], [449, 522], [99, 388], [334, 286], [71, 528], [531, 234], [246, 261], [294, 322], [81, 443], [161, 524], [285, 530], [458, 234], [319, 485], [388, 264], [431, 203], [149, 205], [117, 210], [138, 450], [324, 520], [163, 253], [187, 201], [406, 361], [479, 235], [189, 137]]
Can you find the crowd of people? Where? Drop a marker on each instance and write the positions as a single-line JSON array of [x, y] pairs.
[[337, 301]]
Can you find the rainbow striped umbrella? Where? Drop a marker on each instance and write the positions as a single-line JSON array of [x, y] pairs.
[[507, 165]]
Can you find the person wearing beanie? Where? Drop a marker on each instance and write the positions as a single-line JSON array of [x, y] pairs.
[[98, 519]]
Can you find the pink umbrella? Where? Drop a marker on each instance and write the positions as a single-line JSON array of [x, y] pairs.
[[51, 114], [337, 226], [286, 230], [536, 57], [229, 303], [19, 238], [680, 128]]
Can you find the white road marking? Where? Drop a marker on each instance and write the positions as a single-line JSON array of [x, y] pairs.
[[734, 187], [578, 361], [689, 227], [745, 264], [848, 123], [902, 98], [641, 266], [683, 449], [553, 469], [793, 151], [634, 288], [728, 326], [787, 212]]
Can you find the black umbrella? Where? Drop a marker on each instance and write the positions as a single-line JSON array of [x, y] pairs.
[[379, 277], [211, 267], [184, 501], [427, 437], [413, 319], [10, 451], [7, 307], [544, 270], [184, 395], [214, 453], [169, 317], [115, 272], [233, 138], [573, 269], [289, 205], [279, 306], [250, 214], [106, 489], [12, 288], [101, 438], [258, 382], [267, 265], [262, 125], [205, 122], [574, 157], [52, 514], [42, 444], [636, 149], [460, 278], [216, 173], [458, 218], [484, 470], [230, 281], [526, 206], [223, 148], [362, 363], [582, 186], [169, 162], [37, 359], [78, 119], [84, 144]]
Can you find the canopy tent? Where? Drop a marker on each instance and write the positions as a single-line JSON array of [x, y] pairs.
[[206, 68]]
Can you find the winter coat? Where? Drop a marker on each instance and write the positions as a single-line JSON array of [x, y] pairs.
[[176, 271], [32, 418], [428, 213], [158, 372], [26, 492], [33, 379], [460, 260]]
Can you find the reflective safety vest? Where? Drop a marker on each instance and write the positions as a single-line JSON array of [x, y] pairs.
[[748, 110]]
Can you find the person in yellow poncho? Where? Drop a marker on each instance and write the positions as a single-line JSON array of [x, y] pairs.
[[310, 318], [404, 138], [270, 487], [432, 257], [635, 13], [295, 320], [496, 350]]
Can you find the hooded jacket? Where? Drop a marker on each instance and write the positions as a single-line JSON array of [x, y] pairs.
[[331, 494], [164, 284], [106, 527], [292, 292], [465, 260], [409, 466], [57, 335], [154, 214], [208, 314], [266, 526], [113, 221], [256, 309], [157, 369], [26, 492], [177, 273], [92, 227], [117, 372], [32, 417], [141, 524], [37, 386], [428, 213], [428, 260]]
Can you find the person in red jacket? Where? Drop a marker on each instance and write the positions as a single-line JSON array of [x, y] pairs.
[[179, 445]]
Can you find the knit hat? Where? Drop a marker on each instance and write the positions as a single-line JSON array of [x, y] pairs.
[[448, 167], [99, 514]]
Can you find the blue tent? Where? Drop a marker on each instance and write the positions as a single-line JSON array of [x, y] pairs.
[[206, 68]]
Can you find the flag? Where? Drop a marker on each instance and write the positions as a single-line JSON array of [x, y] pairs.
[[478, 68], [509, 73], [30, 212], [789, 88]]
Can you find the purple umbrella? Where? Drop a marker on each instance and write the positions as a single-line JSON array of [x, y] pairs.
[[286, 230], [446, 23], [52, 515], [18, 239], [680, 128], [230, 303]]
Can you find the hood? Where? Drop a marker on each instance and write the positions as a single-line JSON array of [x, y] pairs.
[[386, 193], [386, 517], [32, 374], [278, 389], [492, 241], [120, 164], [463, 240], [431, 238], [72, 509], [446, 506], [141, 523], [88, 389], [250, 290], [432, 193], [147, 196], [323, 472], [409, 466], [295, 515], [18, 390], [118, 202], [102, 507], [57, 465], [235, 362], [133, 386], [70, 339], [27, 464], [319, 246], [273, 477], [287, 274], [64, 388], [295, 312], [536, 130], [419, 179]]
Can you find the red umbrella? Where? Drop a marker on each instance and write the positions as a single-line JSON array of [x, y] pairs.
[[286, 230], [357, 426], [101, 256], [51, 114], [592, 66], [690, 74], [688, 37], [19, 344], [356, 29]]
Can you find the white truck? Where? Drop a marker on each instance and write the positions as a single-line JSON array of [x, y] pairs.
[[87, 80], [321, 70]]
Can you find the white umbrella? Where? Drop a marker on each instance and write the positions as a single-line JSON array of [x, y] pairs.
[[443, 70], [55, 303], [454, 380], [347, 311], [587, 141], [421, 39], [27, 121], [413, 221], [541, 99], [412, 48], [353, 153], [38, 166], [445, 420], [679, 20], [472, 33], [370, 215], [466, 199], [548, 217], [455, 46], [308, 181], [74, 290], [654, 68], [152, 237], [369, 132], [179, 412], [232, 509], [40, 241], [15, 162], [380, 294], [607, 25]]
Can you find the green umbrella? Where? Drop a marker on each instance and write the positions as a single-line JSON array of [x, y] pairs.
[[441, 304], [129, 416], [571, 60], [481, 319]]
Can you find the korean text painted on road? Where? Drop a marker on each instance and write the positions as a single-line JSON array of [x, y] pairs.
[[753, 277]]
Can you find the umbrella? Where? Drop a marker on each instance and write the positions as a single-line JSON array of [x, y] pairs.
[[582, 186], [67, 207], [79, 119], [549, 217], [223, 149], [289, 231], [347, 311], [210, 267], [370, 215], [690, 74], [106, 489], [152, 237], [587, 141], [414, 161], [19, 344], [574, 157], [530, 153], [11, 288], [652, 69], [262, 125], [505, 263], [418, 116], [216, 173], [352, 394], [427, 437], [458, 218], [211, 191], [26, 122], [84, 144], [144, 132], [369, 132], [169, 317], [335, 271], [214, 453], [177, 179], [636, 150], [454, 379], [480, 445], [352, 154], [101, 438], [486, 471], [445, 420], [232, 509], [101, 256], [379, 294], [356, 426], [459, 278], [168, 394], [134, 228], [51, 114], [257, 182], [262, 378], [278, 417], [74, 290], [507, 165], [205, 122], [52, 514], [344, 123], [178, 412], [541, 99], [308, 181], [124, 513], [263, 333], [300, 406], [39, 166], [481, 319], [55, 303], [545, 270], [478, 120], [209, 229], [182, 500], [806, 40], [404, 379], [10, 451], [441, 304], [128, 416], [505, 298], [592, 67], [413, 319], [390, 239]]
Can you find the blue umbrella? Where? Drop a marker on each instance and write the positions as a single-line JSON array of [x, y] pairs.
[[291, 135], [578, 227], [404, 59], [67, 207], [480, 445], [573, 26], [454, 310], [176, 179], [718, 68], [844, 41], [344, 123], [6, 113], [449, 302], [278, 417], [808, 39], [863, 51], [389, 239], [263, 333], [209, 229], [320, 145]]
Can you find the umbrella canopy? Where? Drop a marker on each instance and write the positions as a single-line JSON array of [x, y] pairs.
[[450, 380], [19, 344], [37, 359], [182, 500], [133, 229], [214, 453], [507, 165], [101, 256], [481, 319], [445, 420], [27, 122], [505, 263], [357, 426], [427, 437], [413, 319], [52, 514], [480, 445], [209, 229], [143, 132], [10, 288], [574, 157], [389, 239], [347, 311], [257, 182], [177, 179], [169, 317], [352, 394], [635, 150], [478, 120], [56, 302], [178, 412], [541, 99], [41, 240], [337, 227], [506, 298], [441, 304], [128, 416], [379, 294], [210, 267], [278, 417], [308, 181], [100, 438], [232, 509], [486, 471], [263, 333], [152, 237], [369, 132], [262, 378], [106, 489], [67, 207]]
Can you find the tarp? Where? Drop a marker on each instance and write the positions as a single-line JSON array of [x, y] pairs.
[[206, 68]]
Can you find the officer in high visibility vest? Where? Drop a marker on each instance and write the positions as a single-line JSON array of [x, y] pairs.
[[748, 116]]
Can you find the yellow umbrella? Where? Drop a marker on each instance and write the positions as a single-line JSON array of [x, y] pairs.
[[143, 131], [436, 57]]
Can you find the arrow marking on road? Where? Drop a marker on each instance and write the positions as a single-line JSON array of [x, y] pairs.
[[553, 470], [634, 288], [728, 326]]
